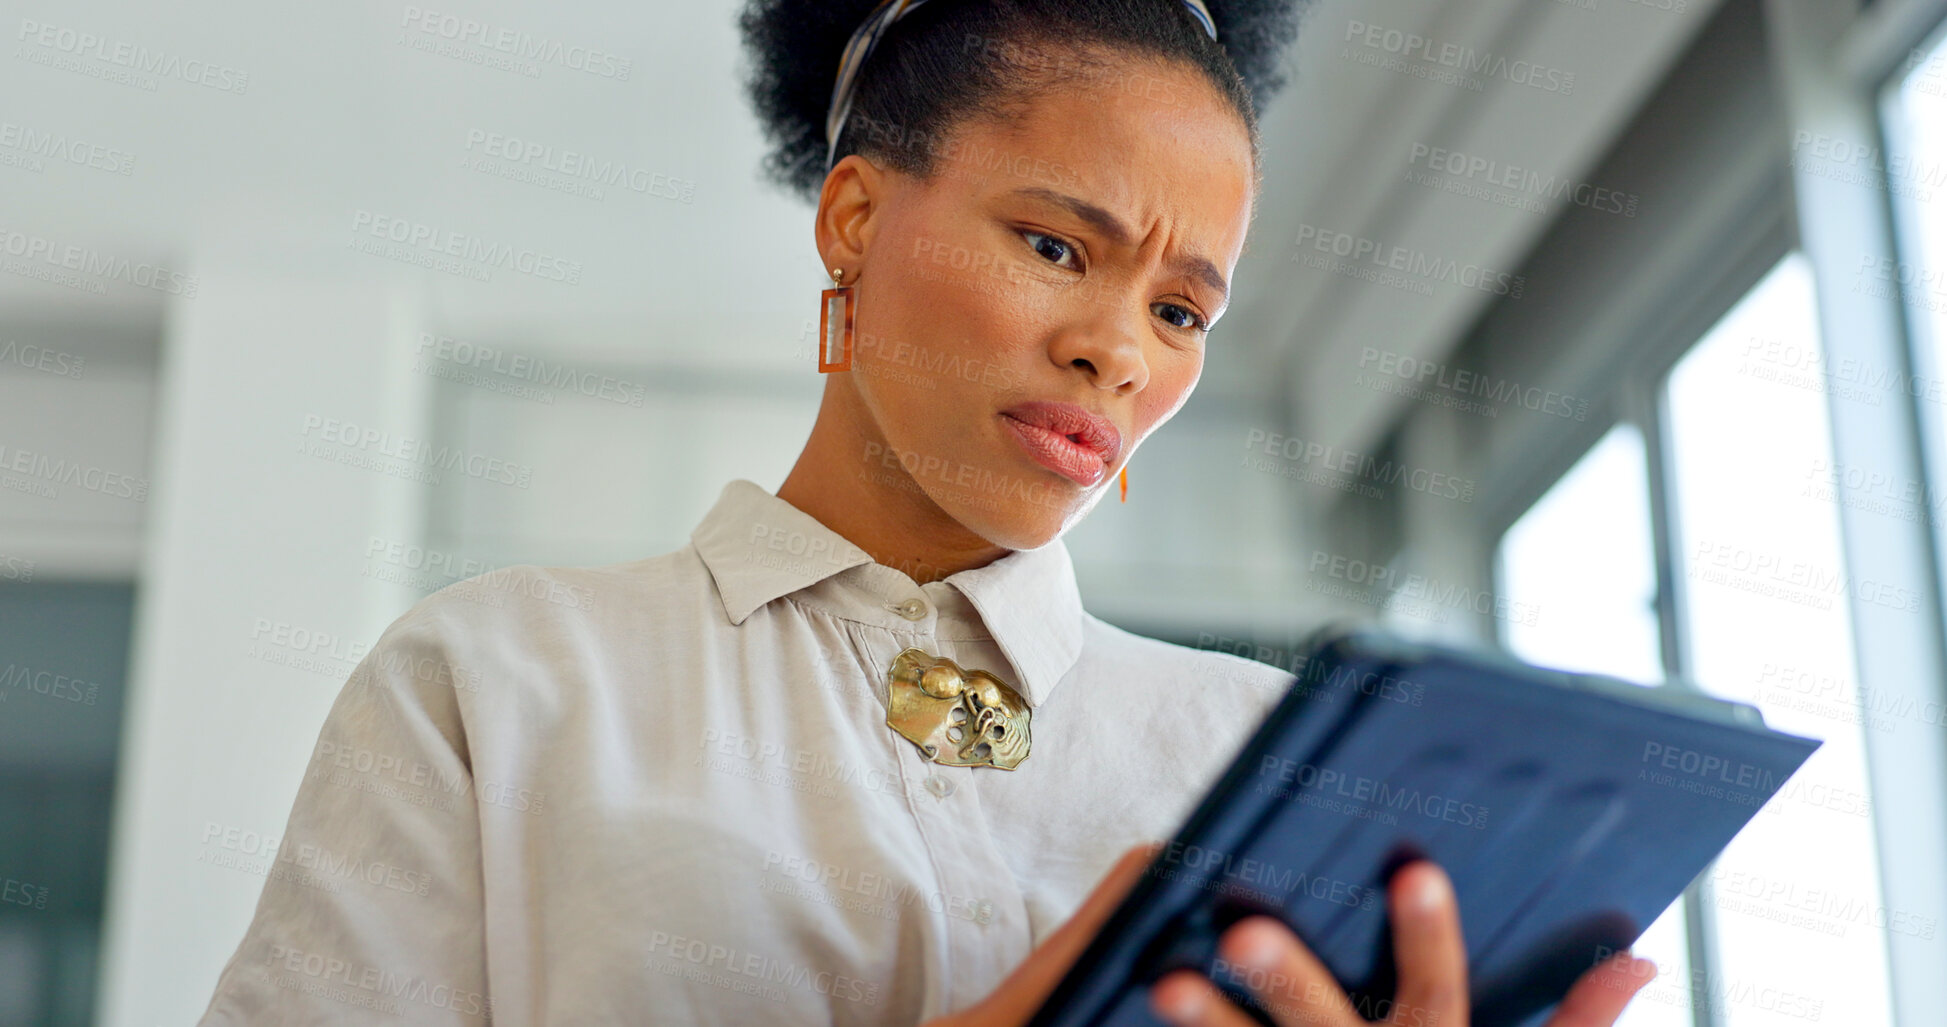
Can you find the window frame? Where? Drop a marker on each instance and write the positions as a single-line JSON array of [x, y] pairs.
[[1838, 79], [1640, 400]]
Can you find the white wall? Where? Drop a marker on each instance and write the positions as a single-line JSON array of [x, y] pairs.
[[244, 530]]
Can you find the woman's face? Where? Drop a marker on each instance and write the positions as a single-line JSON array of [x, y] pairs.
[[1068, 258]]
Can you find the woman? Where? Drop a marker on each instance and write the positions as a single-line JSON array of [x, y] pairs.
[[856, 753]]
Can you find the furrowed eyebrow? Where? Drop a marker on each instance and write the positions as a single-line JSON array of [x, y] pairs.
[[1106, 223]]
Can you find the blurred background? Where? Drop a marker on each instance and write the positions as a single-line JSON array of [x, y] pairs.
[[1603, 330]]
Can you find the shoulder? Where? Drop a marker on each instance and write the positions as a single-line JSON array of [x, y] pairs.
[[1190, 708], [1140, 658], [503, 621], [523, 598], [487, 658]]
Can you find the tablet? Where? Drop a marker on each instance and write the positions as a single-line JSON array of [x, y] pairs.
[[1569, 809]]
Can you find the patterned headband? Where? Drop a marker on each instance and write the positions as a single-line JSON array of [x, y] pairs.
[[867, 37]]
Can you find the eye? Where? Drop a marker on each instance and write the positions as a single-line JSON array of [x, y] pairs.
[[1195, 320], [1048, 243]]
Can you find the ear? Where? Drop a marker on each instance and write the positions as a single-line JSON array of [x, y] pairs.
[[849, 205]]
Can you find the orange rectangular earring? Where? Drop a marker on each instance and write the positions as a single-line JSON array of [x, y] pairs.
[[835, 326], [1123, 475]]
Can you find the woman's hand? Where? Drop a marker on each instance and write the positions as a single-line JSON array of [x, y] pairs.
[[1263, 956], [1294, 986]]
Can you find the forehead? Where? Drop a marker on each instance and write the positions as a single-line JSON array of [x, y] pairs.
[[1152, 141]]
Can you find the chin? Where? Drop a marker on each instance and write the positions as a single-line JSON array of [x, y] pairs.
[[1025, 525], [1015, 524]]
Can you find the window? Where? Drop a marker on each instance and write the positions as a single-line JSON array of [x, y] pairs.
[[1916, 127], [1914, 111], [1792, 926], [1582, 556], [1796, 896]]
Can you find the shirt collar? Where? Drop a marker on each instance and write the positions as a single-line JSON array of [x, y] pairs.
[[759, 548]]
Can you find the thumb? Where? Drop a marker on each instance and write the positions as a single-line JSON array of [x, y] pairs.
[[1029, 985]]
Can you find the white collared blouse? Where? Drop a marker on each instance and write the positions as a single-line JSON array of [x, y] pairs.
[[665, 791]]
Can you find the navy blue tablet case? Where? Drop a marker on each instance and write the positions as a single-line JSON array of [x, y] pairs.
[[1569, 809]]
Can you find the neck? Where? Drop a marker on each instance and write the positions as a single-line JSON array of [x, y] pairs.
[[847, 480]]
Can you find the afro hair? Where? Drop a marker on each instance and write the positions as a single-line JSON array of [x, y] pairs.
[[955, 59]]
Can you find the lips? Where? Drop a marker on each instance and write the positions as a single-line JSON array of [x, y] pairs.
[[1066, 438]]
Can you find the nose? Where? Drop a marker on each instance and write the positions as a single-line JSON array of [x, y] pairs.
[[1105, 340]]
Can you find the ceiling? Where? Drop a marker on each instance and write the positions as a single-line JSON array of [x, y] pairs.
[[348, 116]]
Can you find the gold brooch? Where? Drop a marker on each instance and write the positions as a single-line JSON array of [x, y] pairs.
[[961, 718]]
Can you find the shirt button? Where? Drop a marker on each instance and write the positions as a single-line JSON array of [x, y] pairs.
[[939, 786], [912, 609]]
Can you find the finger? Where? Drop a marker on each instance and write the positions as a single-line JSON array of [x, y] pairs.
[[1030, 984], [1600, 995], [1427, 944], [1188, 999], [1262, 955]]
